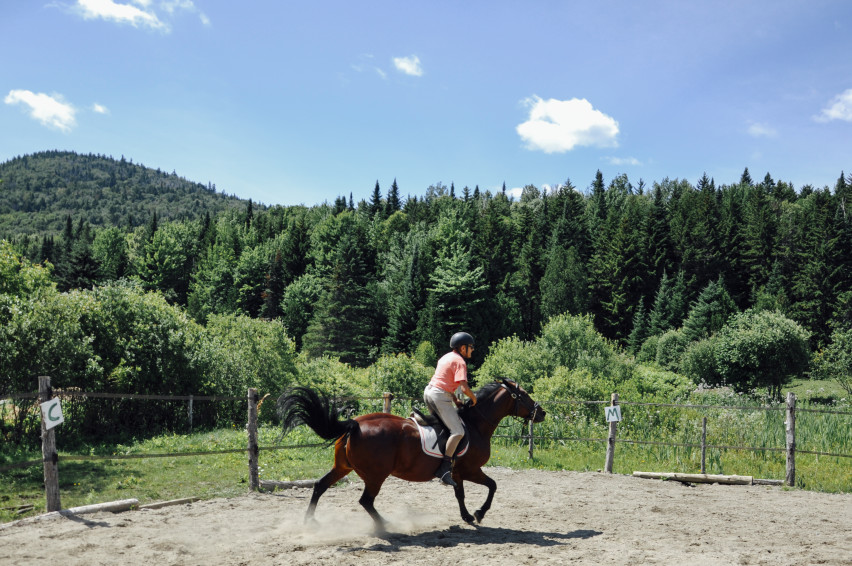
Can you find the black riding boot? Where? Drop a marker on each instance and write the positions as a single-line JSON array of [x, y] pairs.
[[445, 472]]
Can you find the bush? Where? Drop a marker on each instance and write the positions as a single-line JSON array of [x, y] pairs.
[[401, 375], [331, 376], [426, 354], [835, 361], [566, 343], [699, 362], [653, 383], [648, 351], [670, 348], [250, 353], [512, 358], [761, 349]]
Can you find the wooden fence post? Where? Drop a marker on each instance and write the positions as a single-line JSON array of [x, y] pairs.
[[388, 397], [48, 450], [531, 438], [703, 445], [790, 425], [189, 411], [254, 481], [610, 445]]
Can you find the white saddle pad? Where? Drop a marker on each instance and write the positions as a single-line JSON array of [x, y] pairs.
[[429, 441]]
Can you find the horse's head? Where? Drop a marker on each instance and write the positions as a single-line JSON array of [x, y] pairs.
[[524, 406]]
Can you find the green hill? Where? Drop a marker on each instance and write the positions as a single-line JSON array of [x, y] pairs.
[[39, 191]]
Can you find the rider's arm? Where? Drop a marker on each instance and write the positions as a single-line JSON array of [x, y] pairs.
[[467, 391]]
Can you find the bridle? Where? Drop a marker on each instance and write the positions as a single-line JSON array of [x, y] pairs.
[[517, 397], [531, 409]]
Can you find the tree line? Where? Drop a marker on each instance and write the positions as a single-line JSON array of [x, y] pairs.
[[386, 274]]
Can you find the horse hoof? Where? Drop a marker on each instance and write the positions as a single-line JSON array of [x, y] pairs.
[[479, 515], [468, 519]]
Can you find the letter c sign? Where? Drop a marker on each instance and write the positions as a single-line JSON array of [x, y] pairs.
[[51, 414]]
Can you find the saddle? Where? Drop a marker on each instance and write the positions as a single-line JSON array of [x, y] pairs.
[[434, 435]]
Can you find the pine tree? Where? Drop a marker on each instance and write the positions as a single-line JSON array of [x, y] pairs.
[[564, 286], [341, 323], [709, 313], [375, 207], [393, 204], [641, 329], [273, 294]]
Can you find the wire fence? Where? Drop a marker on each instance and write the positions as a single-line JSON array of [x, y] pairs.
[[507, 432]]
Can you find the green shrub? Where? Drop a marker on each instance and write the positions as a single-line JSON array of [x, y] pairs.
[[835, 361], [426, 354], [651, 382], [670, 348], [250, 352], [648, 351], [401, 375], [698, 362], [331, 376], [761, 350]]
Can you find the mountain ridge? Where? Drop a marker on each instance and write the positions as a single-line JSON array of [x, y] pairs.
[[39, 191]]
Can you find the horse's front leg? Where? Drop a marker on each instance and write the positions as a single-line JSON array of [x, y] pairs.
[[459, 490], [478, 476]]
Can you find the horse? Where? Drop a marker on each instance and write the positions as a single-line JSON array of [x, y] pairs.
[[379, 445]]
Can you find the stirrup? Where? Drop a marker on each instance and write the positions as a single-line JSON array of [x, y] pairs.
[[445, 472]]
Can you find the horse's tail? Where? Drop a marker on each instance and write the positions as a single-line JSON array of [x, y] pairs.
[[302, 405]]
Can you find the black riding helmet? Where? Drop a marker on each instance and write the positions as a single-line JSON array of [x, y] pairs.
[[460, 339]]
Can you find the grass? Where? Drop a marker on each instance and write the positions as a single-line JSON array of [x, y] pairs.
[[226, 475]]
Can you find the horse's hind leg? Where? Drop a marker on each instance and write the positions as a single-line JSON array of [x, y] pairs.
[[371, 490], [337, 473]]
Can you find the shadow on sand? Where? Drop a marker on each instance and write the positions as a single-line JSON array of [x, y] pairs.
[[455, 535]]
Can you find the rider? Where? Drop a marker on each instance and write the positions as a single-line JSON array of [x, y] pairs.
[[450, 375]]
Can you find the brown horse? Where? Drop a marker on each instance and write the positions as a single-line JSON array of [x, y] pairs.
[[379, 445]]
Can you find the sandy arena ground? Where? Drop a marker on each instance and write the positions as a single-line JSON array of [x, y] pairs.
[[537, 518]]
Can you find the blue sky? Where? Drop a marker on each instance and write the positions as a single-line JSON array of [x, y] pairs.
[[290, 103]]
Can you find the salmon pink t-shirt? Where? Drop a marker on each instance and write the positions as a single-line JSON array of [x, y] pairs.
[[450, 372]]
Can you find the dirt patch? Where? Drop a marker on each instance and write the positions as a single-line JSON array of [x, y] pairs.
[[537, 518]]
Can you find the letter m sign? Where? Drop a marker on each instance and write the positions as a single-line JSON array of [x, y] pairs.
[[613, 413]]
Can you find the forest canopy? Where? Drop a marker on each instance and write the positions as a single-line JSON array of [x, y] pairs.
[[657, 271]]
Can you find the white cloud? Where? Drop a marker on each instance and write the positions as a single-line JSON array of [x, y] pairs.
[[758, 130], [515, 193], [557, 126], [137, 13], [172, 6], [52, 111], [624, 161], [840, 108], [409, 65], [100, 108], [121, 13]]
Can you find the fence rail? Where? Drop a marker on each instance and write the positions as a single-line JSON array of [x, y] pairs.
[[51, 458]]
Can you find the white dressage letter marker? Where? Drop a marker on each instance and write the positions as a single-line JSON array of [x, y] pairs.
[[613, 414], [51, 413]]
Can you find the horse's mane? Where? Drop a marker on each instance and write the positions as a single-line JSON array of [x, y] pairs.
[[483, 392], [487, 390]]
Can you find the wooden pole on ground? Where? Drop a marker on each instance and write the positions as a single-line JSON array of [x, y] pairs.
[[253, 449], [48, 450], [388, 397], [696, 478], [610, 444], [790, 425]]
